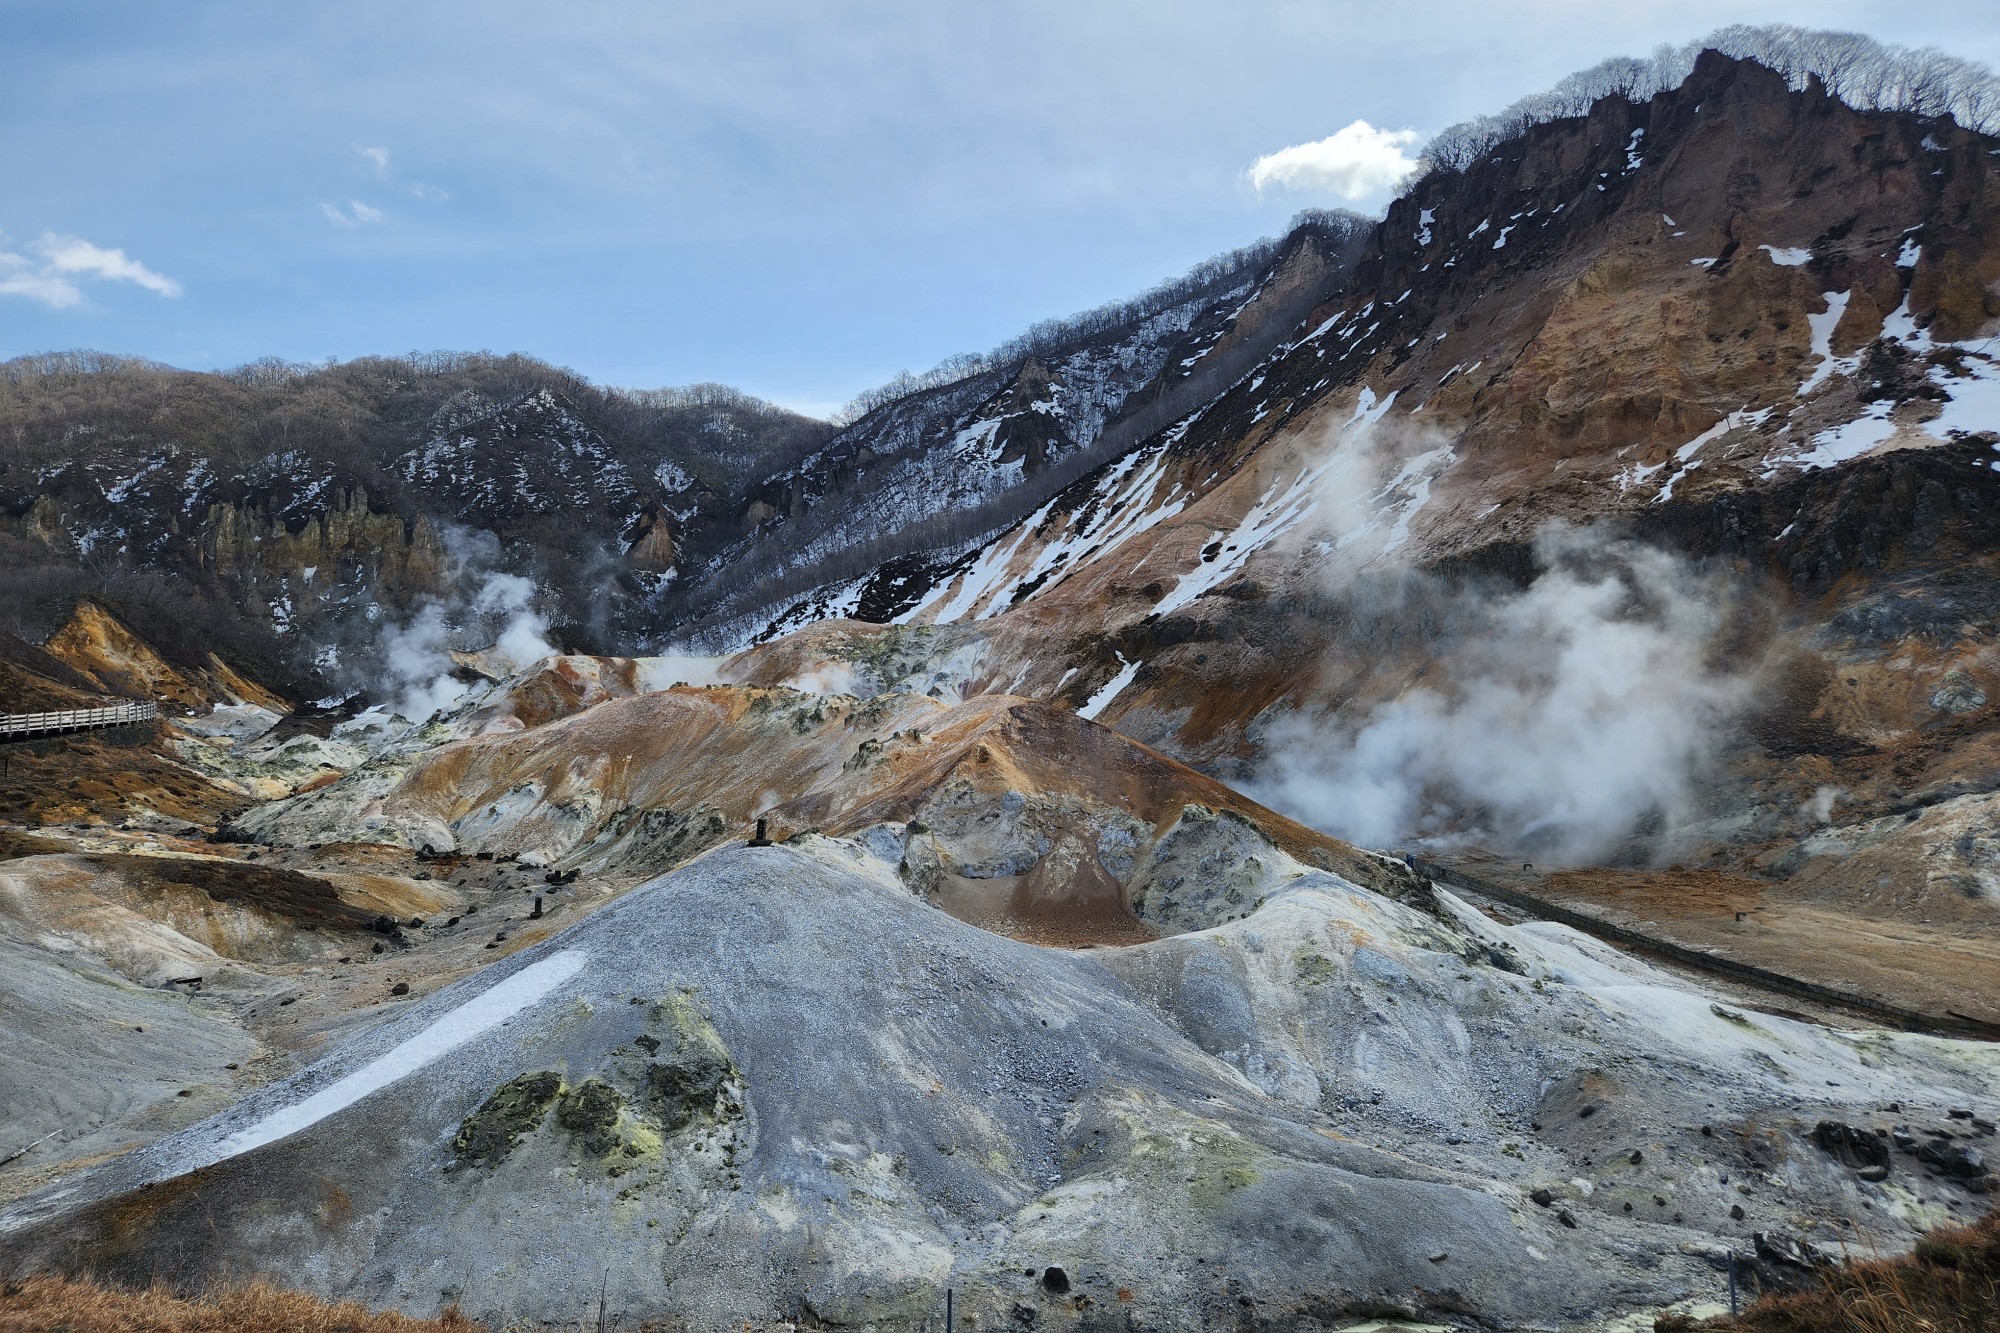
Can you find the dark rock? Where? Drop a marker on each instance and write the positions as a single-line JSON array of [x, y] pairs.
[[1056, 1281], [687, 1087], [1956, 1160], [1850, 1146], [590, 1113], [400, 988], [1541, 1197], [1774, 1247], [487, 1135]]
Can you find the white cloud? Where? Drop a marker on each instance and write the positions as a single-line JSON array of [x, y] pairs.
[[20, 277], [379, 156], [49, 277], [73, 254], [1354, 163], [430, 193], [357, 214]]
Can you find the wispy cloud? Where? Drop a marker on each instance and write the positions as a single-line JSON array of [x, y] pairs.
[[429, 193], [356, 214], [379, 156], [50, 275], [1353, 163], [73, 254]]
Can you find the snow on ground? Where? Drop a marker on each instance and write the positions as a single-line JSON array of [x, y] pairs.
[[1281, 508], [1790, 257], [1970, 380], [477, 1015], [1634, 158], [1098, 701], [977, 585], [1685, 455], [1409, 490], [1823, 325], [1975, 394], [1849, 440], [1127, 501]]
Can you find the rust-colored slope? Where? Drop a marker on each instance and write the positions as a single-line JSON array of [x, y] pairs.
[[1020, 813], [99, 647]]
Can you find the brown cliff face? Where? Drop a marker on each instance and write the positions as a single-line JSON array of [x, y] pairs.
[[346, 545], [98, 647]]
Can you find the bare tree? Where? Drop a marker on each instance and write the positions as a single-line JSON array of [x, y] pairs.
[[1863, 73]]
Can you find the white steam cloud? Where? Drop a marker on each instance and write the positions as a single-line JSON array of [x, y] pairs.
[[416, 667], [1352, 163], [1566, 716]]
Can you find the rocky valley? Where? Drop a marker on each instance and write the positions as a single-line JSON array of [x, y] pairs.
[[1438, 772]]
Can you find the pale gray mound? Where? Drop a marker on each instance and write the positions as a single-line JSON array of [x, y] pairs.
[[91, 1063], [774, 1083]]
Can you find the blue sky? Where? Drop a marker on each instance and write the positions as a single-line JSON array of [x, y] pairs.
[[795, 198]]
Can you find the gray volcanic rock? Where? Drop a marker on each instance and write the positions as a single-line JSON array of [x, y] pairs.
[[773, 1082]]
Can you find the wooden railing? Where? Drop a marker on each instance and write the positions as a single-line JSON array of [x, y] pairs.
[[27, 726]]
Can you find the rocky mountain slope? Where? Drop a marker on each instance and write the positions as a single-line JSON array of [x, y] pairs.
[[1620, 508], [301, 506], [1677, 418]]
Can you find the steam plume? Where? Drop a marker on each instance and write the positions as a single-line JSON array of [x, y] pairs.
[[417, 670], [1571, 714]]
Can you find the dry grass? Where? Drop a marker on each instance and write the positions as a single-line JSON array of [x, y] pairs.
[[58, 1305], [1949, 1284]]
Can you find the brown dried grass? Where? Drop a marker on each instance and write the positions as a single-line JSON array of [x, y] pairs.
[[60, 1305], [1949, 1284]]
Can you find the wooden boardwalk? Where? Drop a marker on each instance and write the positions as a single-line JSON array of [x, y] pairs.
[[32, 726]]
